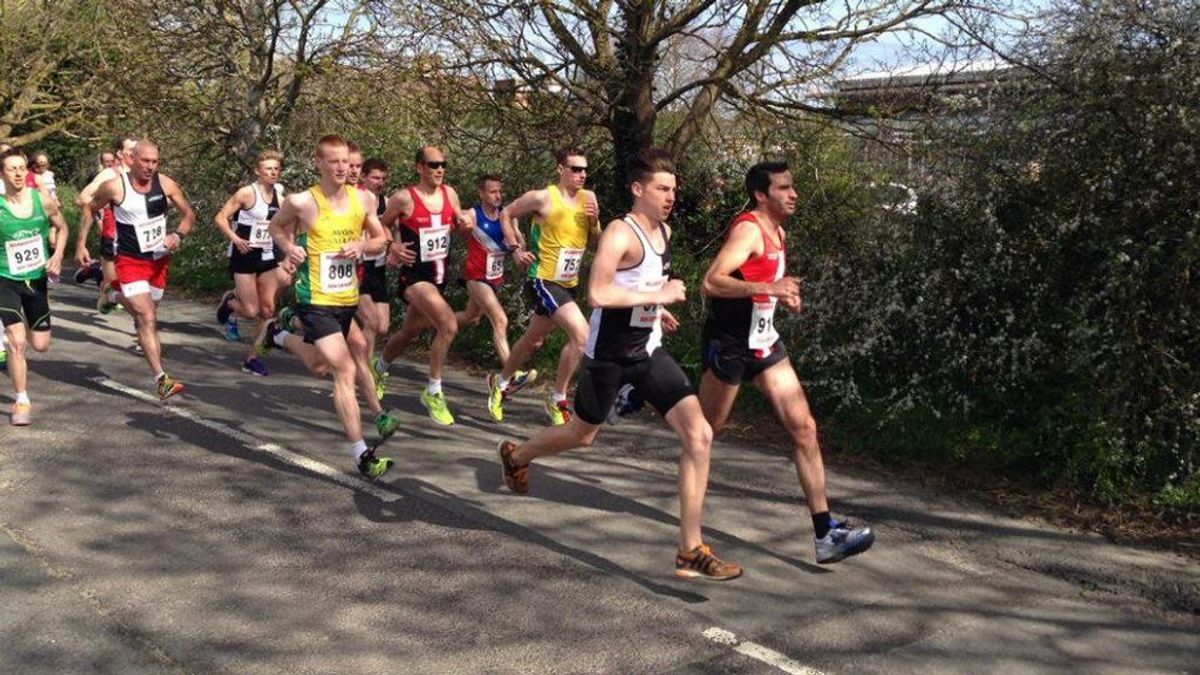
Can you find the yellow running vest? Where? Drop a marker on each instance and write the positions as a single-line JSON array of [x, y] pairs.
[[322, 278], [560, 239]]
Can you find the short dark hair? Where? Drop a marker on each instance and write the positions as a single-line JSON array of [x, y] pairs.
[[758, 178], [561, 155], [374, 164], [352, 146], [484, 178], [119, 144], [13, 152], [642, 166]]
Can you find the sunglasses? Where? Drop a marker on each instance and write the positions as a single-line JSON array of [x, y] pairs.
[[435, 165], [578, 169]]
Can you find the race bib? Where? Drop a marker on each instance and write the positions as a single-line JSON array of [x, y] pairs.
[[151, 234], [260, 235], [25, 255], [645, 316], [338, 274], [495, 266], [762, 325], [435, 243], [569, 260]]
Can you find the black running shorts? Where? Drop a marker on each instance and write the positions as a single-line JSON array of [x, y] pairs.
[[25, 301], [374, 282], [547, 297], [658, 379], [734, 364], [323, 320]]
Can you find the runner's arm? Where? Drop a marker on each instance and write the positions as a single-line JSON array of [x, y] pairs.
[[531, 202], [399, 205], [459, 216], [744, 241], [466, 220], [242, 199], [379, 236], [175, 193], [85, 195], [86, 217], [593, 210], [615, 243], [54, 213]]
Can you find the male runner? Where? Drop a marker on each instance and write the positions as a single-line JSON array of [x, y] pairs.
[[25, 220], [123, 153], [745, 283], [139, 199], [426, 212], [566, 222], [355, 172], [320, 230], [627, 288], [253, 257], [94, 270], [374, 303]]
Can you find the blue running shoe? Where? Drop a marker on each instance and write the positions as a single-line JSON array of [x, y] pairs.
[[255, 367]]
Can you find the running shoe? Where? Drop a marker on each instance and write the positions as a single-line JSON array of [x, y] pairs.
[[436, 405], [628, 402], [83, 274], [287, 318], [386, 424], [702, 563], [520, 379], [105, 303], [255, 367], [20, 414], [559, 411], [231, 331], [3, 359], [516, 477], [223, 309], [168, 387], [495, 402], [380, 377], [268, 338], [372, 467], [843, 541]]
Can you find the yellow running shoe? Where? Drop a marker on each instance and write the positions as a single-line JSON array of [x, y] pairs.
[[436, 405]]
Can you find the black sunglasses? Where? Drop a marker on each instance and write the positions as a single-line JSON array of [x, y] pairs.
[[577, 169], [436, 165]]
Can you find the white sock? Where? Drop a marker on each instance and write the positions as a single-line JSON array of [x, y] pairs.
[[435, 387], [382, 365], [281, 338], [559, 398], [161, 374], [22, 397], [503, 383], [357, 448]]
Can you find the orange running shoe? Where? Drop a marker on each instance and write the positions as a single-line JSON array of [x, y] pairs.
[[515, 477], [702, 563]]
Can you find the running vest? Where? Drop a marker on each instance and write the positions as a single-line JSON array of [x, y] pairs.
[[632, 333], [26, 241], [750, 322], [323, 279], [430, 234], [485, 249], [141, 220], [560, 239], [252, 224]]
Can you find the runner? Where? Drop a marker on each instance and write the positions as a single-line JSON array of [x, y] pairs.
[[566, 222], [109, 297], [745, 283], [374, 304], [320, 230], [426, 211], [253, 256], [627, 289], [25, 220], [355, 174], [139, 199], [484, 275]]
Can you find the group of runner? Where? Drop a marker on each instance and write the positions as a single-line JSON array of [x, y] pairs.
[[334, 242]]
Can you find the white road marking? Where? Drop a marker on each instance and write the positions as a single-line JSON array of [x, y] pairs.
[[253, 443], [758, 652]]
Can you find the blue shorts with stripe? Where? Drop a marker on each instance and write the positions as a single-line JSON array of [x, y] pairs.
[[546, 296]]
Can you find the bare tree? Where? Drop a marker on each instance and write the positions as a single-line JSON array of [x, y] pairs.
[[606, 58]]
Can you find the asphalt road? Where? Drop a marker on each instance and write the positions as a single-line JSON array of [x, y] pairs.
[[227, 531]]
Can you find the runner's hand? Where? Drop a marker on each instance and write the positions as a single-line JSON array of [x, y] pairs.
[[400, 253], [297, 255], [54, 265], [793, 303], [82, 256], [674, 291], [787, 287], [172, 244], [242, 245], [590, 206], [669, 323], [524, 258], [352, 250]]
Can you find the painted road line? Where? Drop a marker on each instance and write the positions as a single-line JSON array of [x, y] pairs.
[[758, 652], [253, 443]]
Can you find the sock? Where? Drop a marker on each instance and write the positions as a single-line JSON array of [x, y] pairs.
[[435, 387], [161, 374], [822, 524], [503, 383], [357, 448], [559, 398], [23, 397], [382, 364], [281, 338]]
